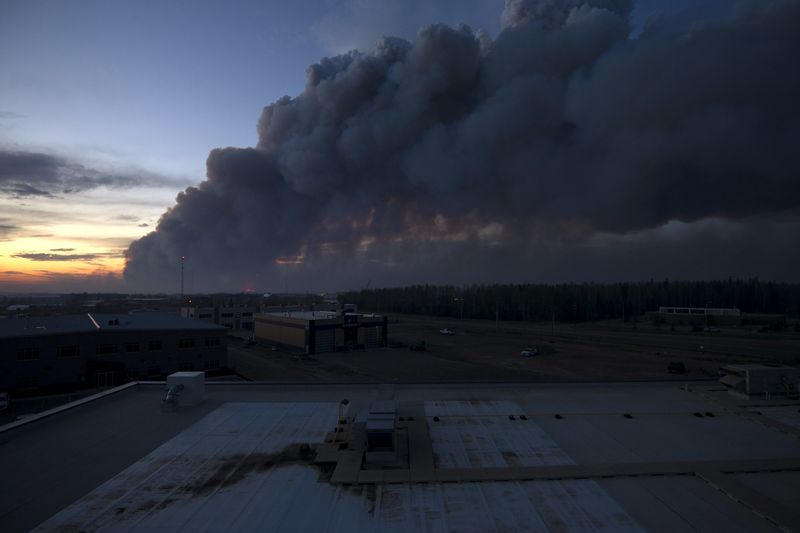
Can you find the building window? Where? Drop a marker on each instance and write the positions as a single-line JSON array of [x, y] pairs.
[[105, 379], [186, 367], [28, 354], [212, 364], [68, 351], [131, 347], [212, 341], [105, 349], [27, 383], [227, 315], [154, 346], [247, 314], [186, 343], [204, 315]]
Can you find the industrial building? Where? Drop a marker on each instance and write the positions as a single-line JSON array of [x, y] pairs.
[[713, 316], [53, 353], [457, 457], [769, 381], [321, 331]]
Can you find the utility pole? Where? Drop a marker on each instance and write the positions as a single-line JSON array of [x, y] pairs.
[[183, 259]]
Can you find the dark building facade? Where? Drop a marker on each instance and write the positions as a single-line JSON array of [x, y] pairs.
[[98, 350]]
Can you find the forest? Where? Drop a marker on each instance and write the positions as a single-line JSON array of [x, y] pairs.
[[578, 302]]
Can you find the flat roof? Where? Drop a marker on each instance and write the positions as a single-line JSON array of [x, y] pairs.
[[92, 322], [315, 315], [510, 457]]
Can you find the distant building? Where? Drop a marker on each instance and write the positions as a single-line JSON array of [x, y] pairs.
[[712, 316], [237, 317], [321, 331], [88, 350], [700, 315], [768, 381], [231, 317], [206, 314]]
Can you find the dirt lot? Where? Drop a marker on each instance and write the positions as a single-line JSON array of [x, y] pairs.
[[484, 351]]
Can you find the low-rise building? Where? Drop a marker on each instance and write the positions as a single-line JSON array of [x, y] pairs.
[[88, 350], [512, 457], [714, 316], [237, 317], [206, 314], [758, 380], [231, 317], [321, 331], [700, 316]]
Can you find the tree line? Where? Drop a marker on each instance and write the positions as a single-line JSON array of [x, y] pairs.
[[578, 302]]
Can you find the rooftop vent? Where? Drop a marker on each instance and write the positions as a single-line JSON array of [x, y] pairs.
[[379, 431]]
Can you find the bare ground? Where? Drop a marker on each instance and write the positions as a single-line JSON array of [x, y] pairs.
[[485, 351]]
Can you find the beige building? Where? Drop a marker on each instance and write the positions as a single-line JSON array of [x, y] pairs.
[[321, 331]]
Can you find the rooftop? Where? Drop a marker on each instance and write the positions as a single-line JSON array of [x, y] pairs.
[[89, 322], [305, 315], [636, 456]]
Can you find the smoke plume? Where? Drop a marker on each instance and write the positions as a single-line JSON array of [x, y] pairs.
[[562, 143]]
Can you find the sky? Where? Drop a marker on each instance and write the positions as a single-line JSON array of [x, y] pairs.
[[110, 112]]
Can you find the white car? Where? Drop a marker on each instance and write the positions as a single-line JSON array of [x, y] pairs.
[[529, 352], [446, 331]]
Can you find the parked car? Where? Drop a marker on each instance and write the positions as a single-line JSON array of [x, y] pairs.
[[4, 401], [529, 351], [676, 367], [447, 331], [418, 346]]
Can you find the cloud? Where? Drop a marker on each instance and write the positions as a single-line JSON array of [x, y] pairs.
[[26, 174], [143, 225], [6, 229], [62, 249], [61, 257], [10, 115], [467, 158], [99, 280]]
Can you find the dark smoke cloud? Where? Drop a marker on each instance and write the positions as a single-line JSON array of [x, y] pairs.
[[27, 174], [562, 144]]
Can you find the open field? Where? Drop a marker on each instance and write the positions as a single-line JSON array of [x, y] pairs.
[[483, 351]]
